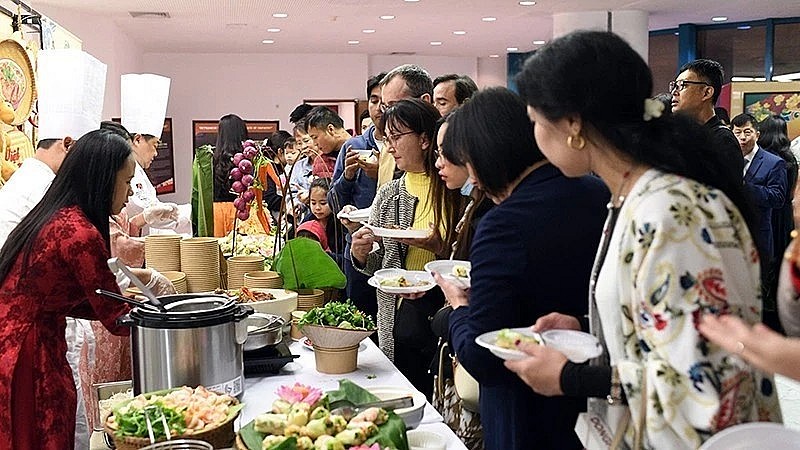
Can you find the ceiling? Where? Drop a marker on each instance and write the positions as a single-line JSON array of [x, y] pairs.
[[326, 26]]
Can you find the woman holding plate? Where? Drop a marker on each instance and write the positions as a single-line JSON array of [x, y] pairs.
[[676, 245], [530, 255], [417, 200]]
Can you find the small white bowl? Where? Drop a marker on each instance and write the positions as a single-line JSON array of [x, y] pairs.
[[412, 415], [425, 440], [365, 155]]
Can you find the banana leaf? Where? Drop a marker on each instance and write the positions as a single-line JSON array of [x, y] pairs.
[[203, 191], [303, 264], [391, 434]]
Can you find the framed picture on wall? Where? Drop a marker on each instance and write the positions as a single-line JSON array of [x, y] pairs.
[[162, 171], [204, 132], [785, 104]]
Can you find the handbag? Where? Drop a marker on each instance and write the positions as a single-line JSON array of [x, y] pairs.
[[467, 387]]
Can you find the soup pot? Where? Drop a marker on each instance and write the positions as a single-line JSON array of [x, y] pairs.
[[196, 341]]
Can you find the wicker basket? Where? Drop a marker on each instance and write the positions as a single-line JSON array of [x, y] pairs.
[[221, 436]]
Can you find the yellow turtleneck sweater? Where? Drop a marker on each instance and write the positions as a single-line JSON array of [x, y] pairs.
[[419, 186]]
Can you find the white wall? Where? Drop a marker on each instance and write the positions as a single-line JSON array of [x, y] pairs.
[[435, 65], [106, 42]]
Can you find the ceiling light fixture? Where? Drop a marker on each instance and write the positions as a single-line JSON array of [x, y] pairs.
[[539, 42], [280, 15], [743, 27], [273, 30], [719, 19], [412, 1], [353, 42], [494, 56], [436, 42], [267, 41], [512, 49], [489, 19], [368, 31], [459, 33], [527, 3], [387, 17]]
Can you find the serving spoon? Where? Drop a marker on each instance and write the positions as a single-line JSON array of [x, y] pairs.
[[117, 266]]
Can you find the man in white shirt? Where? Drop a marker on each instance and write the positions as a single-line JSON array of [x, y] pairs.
[[27, 186]]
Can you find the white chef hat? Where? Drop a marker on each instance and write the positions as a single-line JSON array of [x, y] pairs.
[[71, 85], [144, 103]]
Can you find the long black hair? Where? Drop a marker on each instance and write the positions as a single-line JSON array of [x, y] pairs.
[[420, 117], [773, 137], [232, 132], [599, 77], [86, 179], [492, 132]]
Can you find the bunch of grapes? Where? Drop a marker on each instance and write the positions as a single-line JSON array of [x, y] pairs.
[[242, 176]]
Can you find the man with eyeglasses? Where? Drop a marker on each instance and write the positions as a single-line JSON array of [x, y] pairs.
[[694, 93], [406, 81]]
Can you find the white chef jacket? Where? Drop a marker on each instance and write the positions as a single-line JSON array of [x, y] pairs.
[[21, 193], [144, 194]]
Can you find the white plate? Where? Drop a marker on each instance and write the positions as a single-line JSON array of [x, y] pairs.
[[577, 346], [306, 343], [414, 276], [358, 215], [754, 435], [487, 340], [444, 268], [412, 415], [398, 233]]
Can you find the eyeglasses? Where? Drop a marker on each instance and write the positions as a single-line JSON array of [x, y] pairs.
[[391, 139], [680, 85]]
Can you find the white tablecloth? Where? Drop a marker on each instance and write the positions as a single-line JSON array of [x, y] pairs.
[[374, 369]]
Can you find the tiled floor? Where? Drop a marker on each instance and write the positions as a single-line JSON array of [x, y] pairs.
[[789, 395]]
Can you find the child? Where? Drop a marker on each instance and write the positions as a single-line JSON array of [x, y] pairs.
[[291, 152], [323, 227]]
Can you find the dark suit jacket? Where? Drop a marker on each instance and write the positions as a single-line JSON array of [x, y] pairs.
[[766, 181]]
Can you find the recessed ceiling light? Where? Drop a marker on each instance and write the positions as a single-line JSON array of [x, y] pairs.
[[494, 56], [353, 42], [489, 19], [412, 1], [460, 32], [436, 42], [368, 31], [387, 17], [280, 15], [527, 3], [268, 41], [273, 30], [719, 19], [744, 27], [539, 42], [512, 49]]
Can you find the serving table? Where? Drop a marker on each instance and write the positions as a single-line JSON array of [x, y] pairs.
[[374, 369]]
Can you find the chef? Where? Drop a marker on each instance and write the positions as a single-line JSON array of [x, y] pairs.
[[144, 106]]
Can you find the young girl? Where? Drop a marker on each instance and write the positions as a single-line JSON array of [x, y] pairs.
[[323, 227]]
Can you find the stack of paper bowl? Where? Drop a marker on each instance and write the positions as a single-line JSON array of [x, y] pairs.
[[263, 279], [240, 265], [308, 299], [178, 280], [163, 252], [200, 263]]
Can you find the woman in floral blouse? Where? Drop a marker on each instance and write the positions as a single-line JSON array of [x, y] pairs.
[[676, 246]]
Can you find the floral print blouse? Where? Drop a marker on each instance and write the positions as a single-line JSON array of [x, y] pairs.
[[681, 249]]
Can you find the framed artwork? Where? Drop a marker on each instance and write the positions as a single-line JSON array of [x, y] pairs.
[[785, 104], [162, 171], [204, 132]]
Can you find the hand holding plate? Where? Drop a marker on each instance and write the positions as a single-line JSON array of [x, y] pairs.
[[542, 370]]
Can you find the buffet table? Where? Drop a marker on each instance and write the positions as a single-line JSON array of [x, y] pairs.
[[374, 369]]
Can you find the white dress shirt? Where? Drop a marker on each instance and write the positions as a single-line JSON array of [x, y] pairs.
[[748, 159], [21, 193]]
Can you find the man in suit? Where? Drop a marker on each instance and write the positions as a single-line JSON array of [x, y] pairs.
[[765, 179]]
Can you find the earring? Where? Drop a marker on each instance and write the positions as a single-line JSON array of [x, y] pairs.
[[579, 145]]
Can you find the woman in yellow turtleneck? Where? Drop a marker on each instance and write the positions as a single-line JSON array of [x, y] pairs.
[[420, 200]]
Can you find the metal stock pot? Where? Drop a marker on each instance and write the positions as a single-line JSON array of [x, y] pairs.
[[196, 341]]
